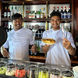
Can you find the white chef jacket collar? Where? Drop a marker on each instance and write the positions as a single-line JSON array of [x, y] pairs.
[[18, 30], [56, 30]]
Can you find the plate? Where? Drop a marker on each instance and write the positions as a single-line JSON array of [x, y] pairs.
[[48, 41]]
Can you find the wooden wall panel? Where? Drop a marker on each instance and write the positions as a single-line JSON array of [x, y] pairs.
[[76, 16], [0, 13]]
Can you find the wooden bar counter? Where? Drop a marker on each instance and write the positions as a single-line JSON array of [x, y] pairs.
[[74, 61], [37, 58]]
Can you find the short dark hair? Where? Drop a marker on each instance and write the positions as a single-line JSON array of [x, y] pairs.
[[55, 14], [16, 16]]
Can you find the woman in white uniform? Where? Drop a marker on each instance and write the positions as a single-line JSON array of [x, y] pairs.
[[18, 40], [59, 52]]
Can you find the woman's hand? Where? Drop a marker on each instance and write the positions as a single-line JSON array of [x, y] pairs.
[[33, 49]]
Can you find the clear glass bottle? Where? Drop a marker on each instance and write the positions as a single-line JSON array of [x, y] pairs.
[[8, 12], [5, 12], [65, 12], [62, 13], [69, 13]]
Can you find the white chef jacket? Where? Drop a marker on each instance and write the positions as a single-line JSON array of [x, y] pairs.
[[57, 54], [18, 43]]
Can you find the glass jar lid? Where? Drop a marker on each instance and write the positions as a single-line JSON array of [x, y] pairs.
[[55, 71], [44, 69], [20, 67], [11, 65], [67, 73], [33, 67], [2, 64]]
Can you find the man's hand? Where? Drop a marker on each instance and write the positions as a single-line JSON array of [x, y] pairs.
[[45, 48], [67, 45], [4, 52]]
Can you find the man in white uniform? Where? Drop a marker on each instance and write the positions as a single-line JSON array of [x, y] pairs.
[[18, 40], [59, 52]]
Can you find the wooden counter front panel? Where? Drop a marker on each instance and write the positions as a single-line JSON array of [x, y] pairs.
[[0, 13]]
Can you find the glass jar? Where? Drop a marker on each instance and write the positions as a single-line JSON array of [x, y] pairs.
[[55, 73], [10, 69], [67, 74], [2, 68], [20, 71], [43, 72], [32, 71]]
